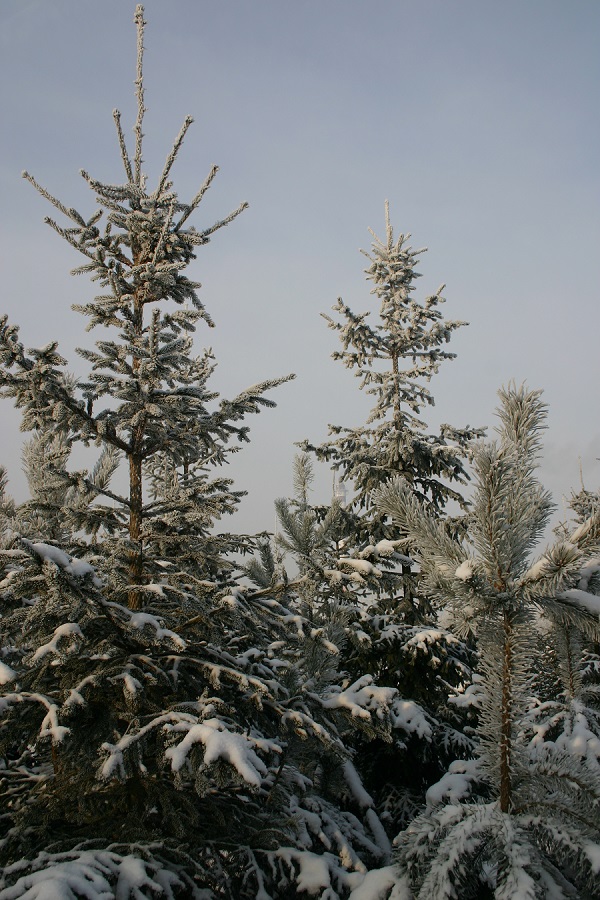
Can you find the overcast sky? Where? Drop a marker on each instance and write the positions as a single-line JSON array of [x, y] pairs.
[[477, 119]]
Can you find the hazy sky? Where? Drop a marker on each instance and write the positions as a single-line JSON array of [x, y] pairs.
[[477, 119]]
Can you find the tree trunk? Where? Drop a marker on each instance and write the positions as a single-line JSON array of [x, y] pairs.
[[506, 717], [570, 664], [136, 560]]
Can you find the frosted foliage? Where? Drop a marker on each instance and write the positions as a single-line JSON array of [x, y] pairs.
[[95, 875], [592, 852], [394, 357], [362, 699], [356, 786], [411, 718], [377, 885], [589, 602], [64, 634], [529, 755], [178, 723], [145, 399], [455, 784]]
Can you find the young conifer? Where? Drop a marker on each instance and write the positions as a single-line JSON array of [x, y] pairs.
[[508, 822], [394, 359], [402, 643]]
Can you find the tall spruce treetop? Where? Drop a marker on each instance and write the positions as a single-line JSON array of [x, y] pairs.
[[394, 359], [145, 396]]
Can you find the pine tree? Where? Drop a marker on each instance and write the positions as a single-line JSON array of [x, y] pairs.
[[509, 822], [564, 713]]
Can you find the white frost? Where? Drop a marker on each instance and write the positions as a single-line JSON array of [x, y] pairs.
[[455, 784], [78, 568], [361, 566], [592, 568], [141, 620], [592, 851], [410, 717], [376, 884], [354, 782], [132, 878], [362, 698], [314, 873]]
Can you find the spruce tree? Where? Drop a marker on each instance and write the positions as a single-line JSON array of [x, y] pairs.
[[394, 359], [403, 643], [193, 748], [511, 822], [145, 396]]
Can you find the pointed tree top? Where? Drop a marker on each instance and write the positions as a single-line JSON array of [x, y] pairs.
[[139, 84], [389, 231]]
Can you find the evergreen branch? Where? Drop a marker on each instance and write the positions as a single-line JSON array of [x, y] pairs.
[[172, 155], [197, 199], [203, 235], [68, 212], [110, 194], [160, 244], [122, 145], [75, 479], [107, 434], [66, 234], [568, 812]]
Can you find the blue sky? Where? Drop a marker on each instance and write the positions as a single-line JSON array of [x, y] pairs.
[[476, 119]]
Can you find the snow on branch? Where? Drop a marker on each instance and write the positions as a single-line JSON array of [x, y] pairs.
[[50, 726], [362, 699], [65, 631], [219, 743]]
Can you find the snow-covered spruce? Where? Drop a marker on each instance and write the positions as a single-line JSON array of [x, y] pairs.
[[393, 358], [161, 731], [213, 754], [146, 400]]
